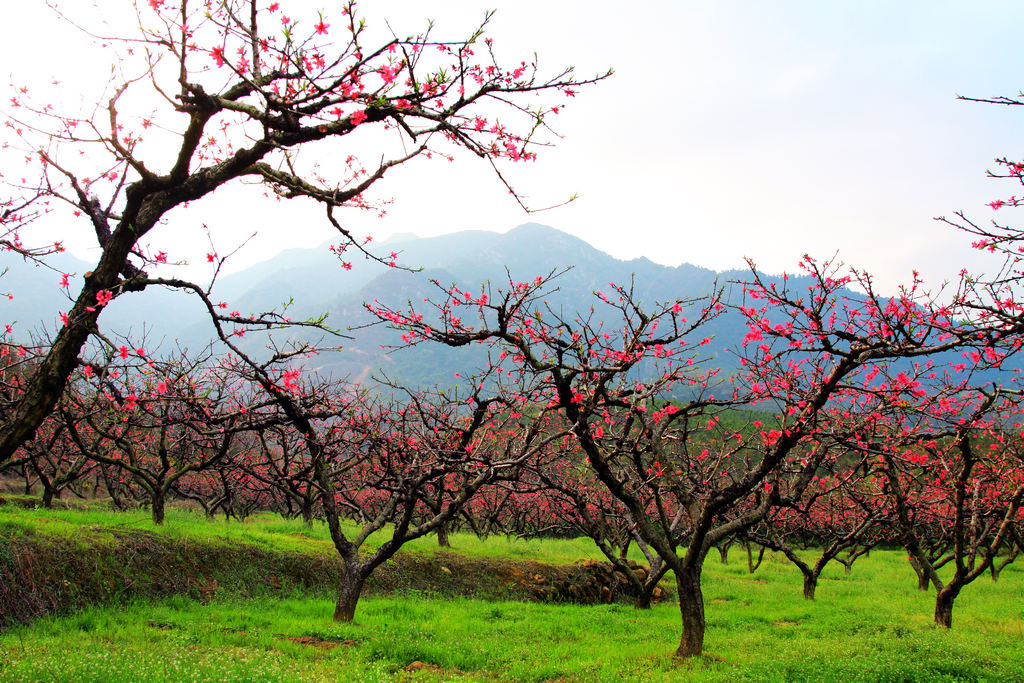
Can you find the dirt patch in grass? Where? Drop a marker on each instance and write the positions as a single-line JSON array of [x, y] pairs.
[[317, 641], [434, 668], [160, 625]]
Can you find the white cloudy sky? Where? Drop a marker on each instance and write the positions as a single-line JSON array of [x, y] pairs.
[[729, 129]]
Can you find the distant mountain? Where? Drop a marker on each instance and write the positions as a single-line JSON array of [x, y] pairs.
[[317, 283], [32, 298], [472, 259]]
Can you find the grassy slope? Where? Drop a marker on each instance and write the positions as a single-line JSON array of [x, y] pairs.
[[61, 561], [870, 626], [271, 532]]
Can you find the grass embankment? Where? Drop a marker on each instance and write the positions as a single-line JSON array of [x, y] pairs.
[[269, 531], [62, 560], [869, 626]]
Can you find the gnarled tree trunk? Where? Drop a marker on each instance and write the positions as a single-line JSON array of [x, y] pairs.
[[442, 536], [810, 584], [944, 607], [922, 575], [691, 608], [751, 564], [351, 586], [158, 502], [49, 493]]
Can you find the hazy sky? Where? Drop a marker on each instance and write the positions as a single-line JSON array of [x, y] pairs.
[[730, 129]]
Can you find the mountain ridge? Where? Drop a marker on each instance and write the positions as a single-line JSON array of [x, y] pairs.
[[318, 283]]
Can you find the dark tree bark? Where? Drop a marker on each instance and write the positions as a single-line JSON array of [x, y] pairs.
[[923, 580], [351, 587], [691, 608], [752, 565], [997, 568], [47, 497], [944, 605], [442, 536], [158, 502], [113, 489], [810, 584]]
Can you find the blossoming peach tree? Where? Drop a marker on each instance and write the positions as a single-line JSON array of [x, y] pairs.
[[209, 93], [644, 401]]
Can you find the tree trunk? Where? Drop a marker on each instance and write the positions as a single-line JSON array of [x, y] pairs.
[[348, 598], [810, 584], [751, 565], [922, 575], [48, 495], [112, 491], [691, 608], [723, 552], [48, 380], [158, 507], [643, 599], [442, 536], [307, 513], [997, 567], [944, 607]]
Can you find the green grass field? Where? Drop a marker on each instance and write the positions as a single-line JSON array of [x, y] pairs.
[[871, 625]]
